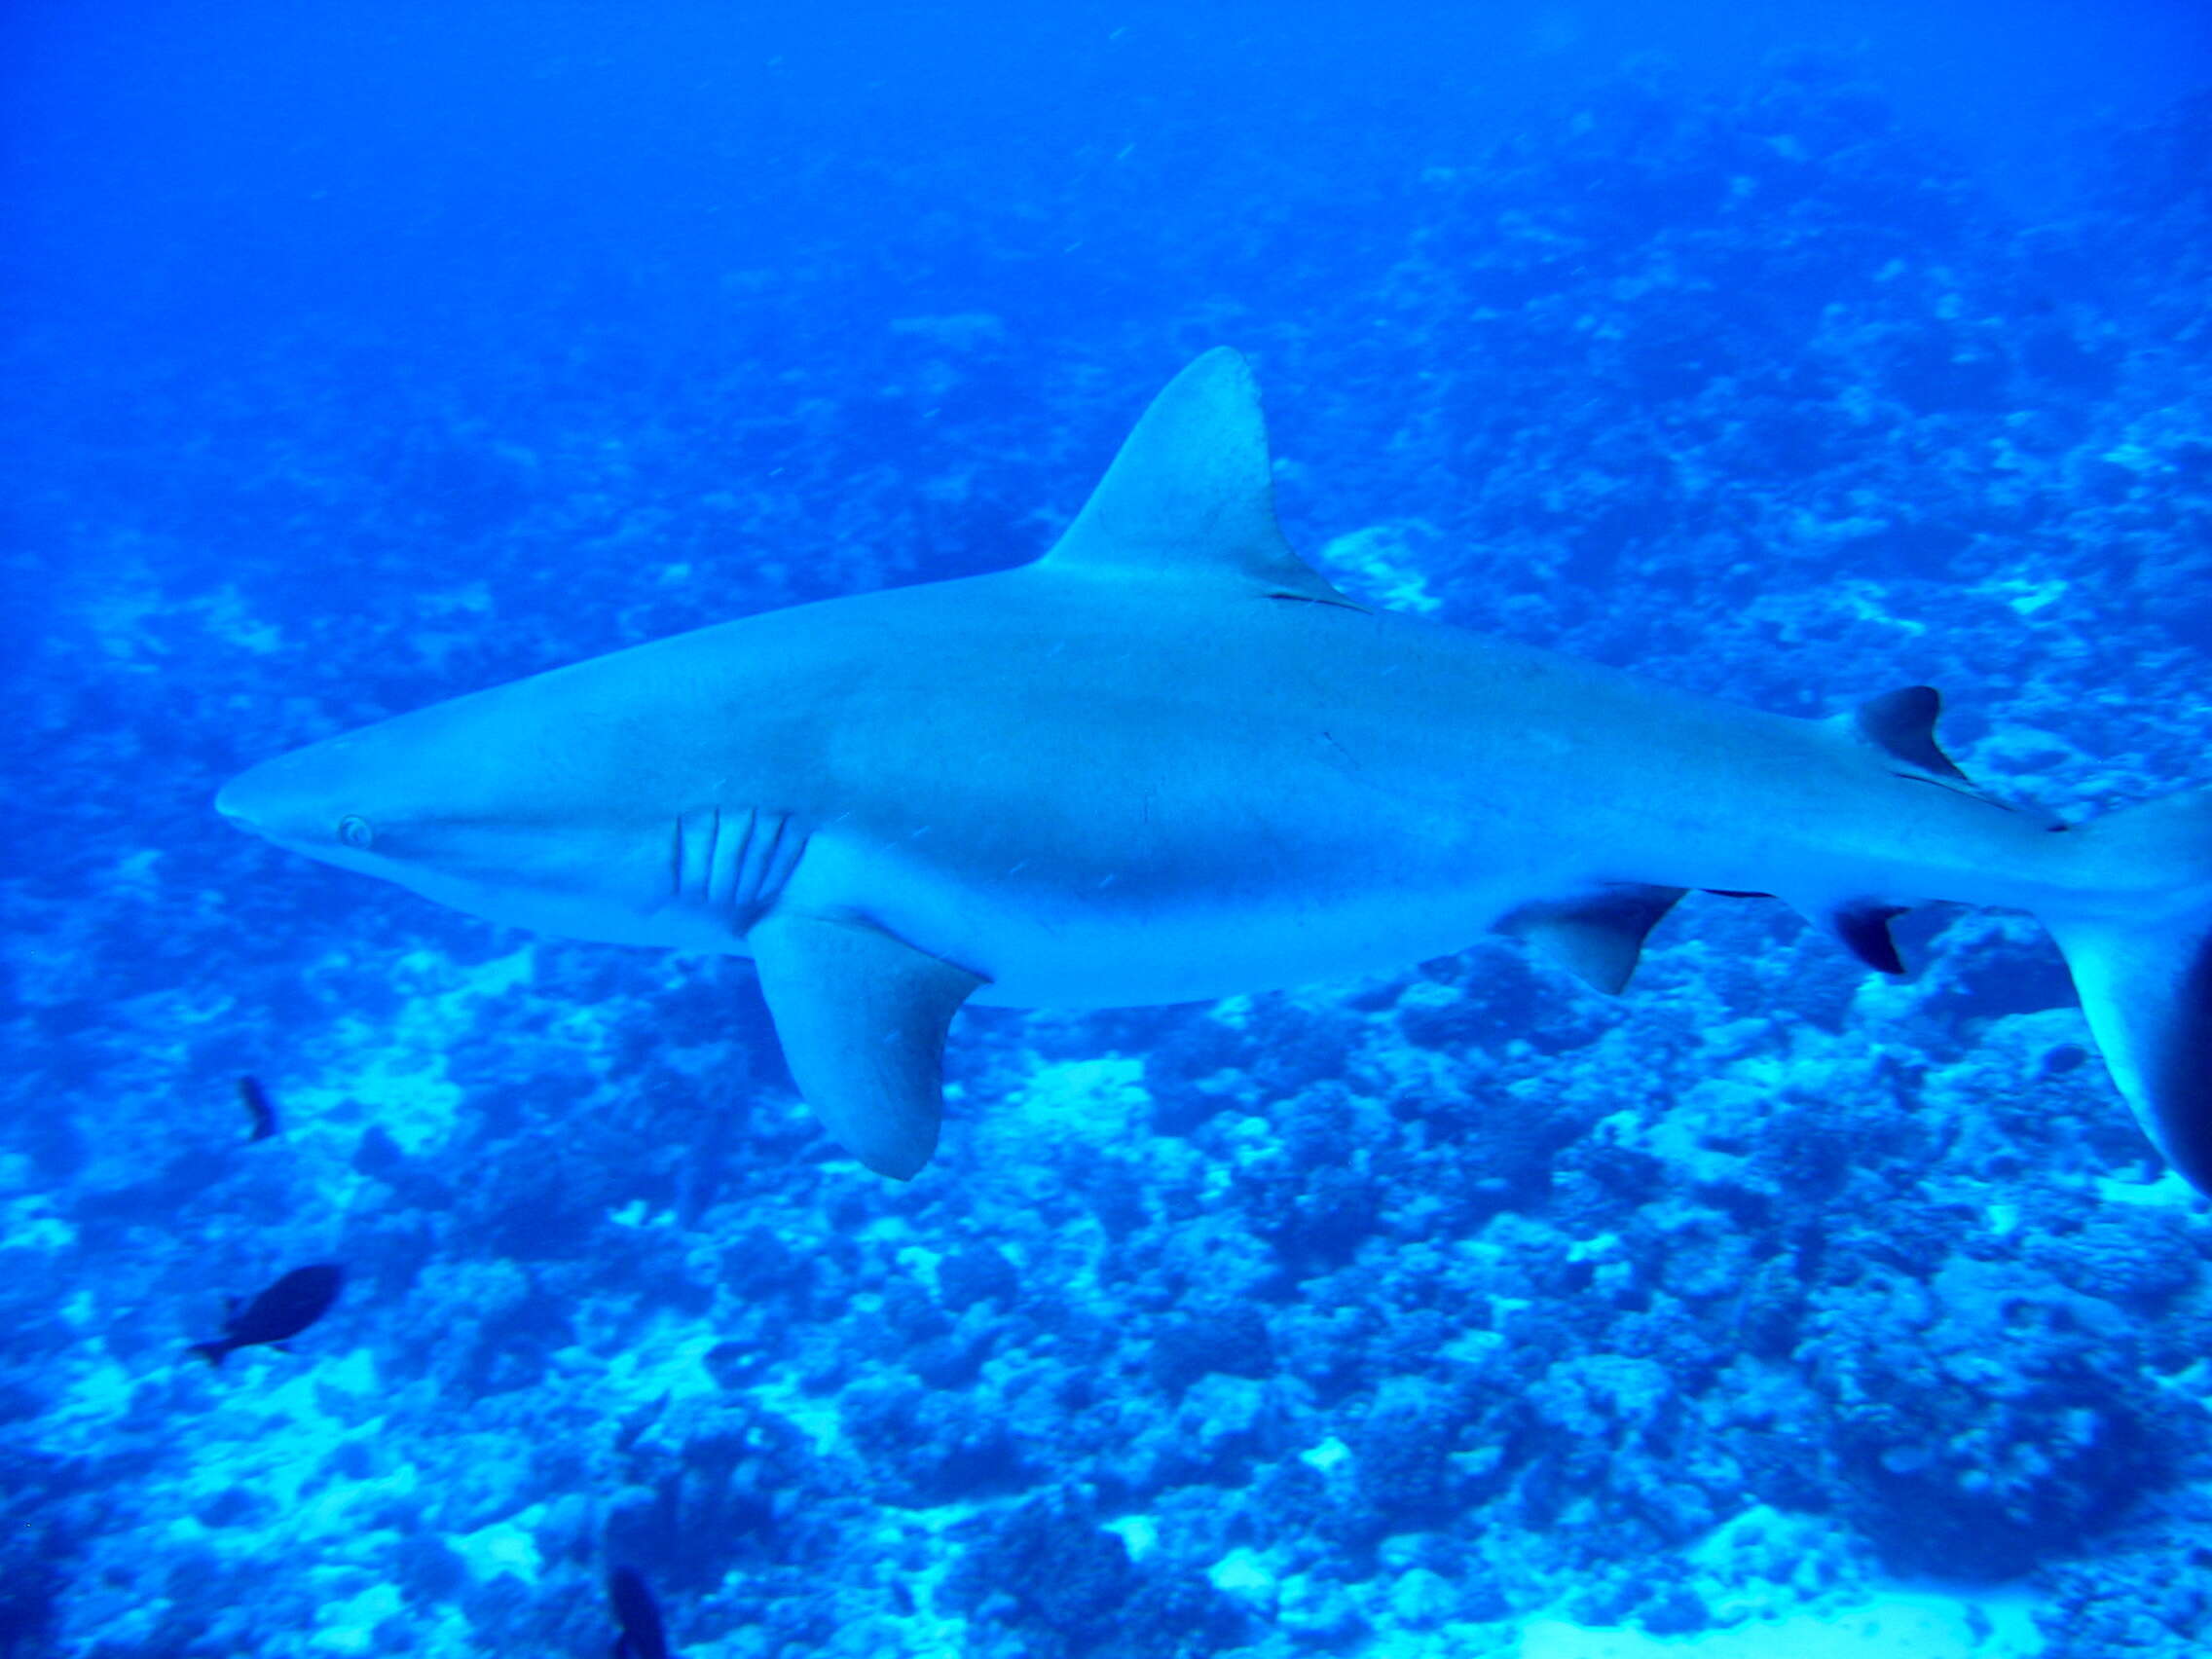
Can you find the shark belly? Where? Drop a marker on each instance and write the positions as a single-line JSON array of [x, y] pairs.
[[1354, 795], [1395, 810], [1037, 943]]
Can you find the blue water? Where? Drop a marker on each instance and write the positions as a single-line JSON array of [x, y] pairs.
[[355, 355]]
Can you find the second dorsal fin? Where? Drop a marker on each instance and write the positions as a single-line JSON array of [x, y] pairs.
[[1190, 495], [1901, 724]]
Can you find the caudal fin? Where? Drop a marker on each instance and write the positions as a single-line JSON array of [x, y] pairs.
[[2141, 954]]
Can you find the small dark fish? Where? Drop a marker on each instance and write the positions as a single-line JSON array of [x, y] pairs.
[[284, 1310], [255, 1099], [639, 1615]]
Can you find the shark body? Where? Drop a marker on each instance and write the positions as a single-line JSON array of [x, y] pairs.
[[1168, 762]]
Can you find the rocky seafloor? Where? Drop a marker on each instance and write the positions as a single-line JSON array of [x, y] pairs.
[[1772, 1307]]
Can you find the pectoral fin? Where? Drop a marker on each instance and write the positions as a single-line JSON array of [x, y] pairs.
[[863, 1018]]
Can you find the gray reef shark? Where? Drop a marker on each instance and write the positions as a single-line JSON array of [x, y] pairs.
[[1168, 762]]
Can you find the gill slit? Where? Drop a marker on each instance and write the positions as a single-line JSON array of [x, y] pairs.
[[730, 873]]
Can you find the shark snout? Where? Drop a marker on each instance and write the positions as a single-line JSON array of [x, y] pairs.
[[309, 800], [257, 800], [231, 806]]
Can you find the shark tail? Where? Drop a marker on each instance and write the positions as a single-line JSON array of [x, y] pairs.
[[2140, 949]]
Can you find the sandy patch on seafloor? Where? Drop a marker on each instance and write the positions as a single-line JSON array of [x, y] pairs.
[[1899, 1624]]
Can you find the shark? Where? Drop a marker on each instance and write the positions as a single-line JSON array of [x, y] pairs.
[[1169, 761]]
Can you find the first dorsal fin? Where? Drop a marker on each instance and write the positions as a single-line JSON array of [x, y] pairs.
[[1190, 495]]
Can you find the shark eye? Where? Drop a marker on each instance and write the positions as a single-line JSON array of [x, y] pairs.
[[355, 832]]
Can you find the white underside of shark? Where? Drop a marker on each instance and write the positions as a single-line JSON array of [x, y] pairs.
[[1168, 762]]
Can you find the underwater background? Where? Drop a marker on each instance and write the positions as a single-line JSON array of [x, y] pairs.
[[358, 354]]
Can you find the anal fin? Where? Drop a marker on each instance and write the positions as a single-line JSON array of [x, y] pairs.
[[861, 1016], [1596, 936], [1863, 930]]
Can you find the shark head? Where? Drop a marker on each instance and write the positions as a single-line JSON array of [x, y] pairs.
[[493, 803]]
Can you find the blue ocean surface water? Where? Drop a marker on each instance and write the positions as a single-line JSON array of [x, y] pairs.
[[360, 353]]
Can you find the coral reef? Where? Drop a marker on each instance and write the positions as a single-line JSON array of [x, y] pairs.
[[1425, 1308]]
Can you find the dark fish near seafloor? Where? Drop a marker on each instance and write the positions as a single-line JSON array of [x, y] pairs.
[[258, 1109], [282, 1311], [637, 1615]]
